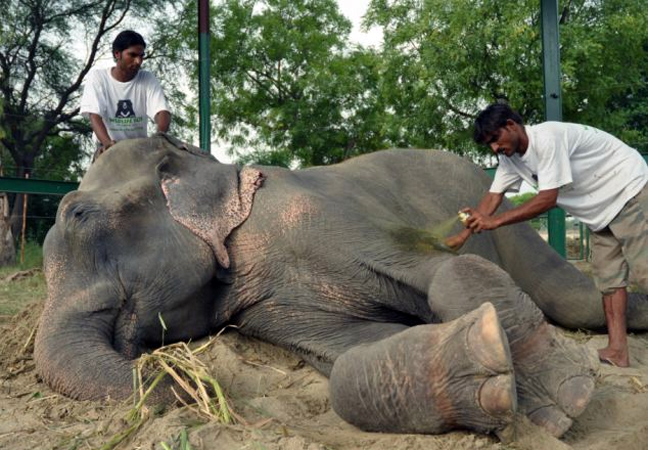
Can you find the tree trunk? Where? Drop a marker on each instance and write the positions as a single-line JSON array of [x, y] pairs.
[[24, 168], [7, 247]]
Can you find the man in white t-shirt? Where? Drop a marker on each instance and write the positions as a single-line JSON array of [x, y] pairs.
[[118, 101], [591, 174]]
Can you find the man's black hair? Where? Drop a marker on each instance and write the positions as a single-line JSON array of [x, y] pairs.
[[125, 39], [492, 119]]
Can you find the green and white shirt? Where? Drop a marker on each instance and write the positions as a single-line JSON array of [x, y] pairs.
[[124, 107]]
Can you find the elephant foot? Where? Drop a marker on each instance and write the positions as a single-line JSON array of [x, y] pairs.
[[430, 378], [555, 378]]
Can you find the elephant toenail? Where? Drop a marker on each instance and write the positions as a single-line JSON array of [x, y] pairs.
[[575, 393], [488, 343], [497, 396], [551, 419]]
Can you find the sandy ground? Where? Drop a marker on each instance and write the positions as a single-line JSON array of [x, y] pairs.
[[283, 404]]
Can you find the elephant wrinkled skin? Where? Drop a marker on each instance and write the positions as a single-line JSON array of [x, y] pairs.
[[330, 263]]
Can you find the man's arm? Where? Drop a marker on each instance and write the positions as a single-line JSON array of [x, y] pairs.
[[163, 120], [544, 201], [487, 206], [99, 128]]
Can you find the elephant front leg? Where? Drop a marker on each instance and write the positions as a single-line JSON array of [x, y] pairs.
[[554, 374], [429, 379]]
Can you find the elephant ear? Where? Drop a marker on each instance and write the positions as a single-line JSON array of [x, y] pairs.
[[207, 197]]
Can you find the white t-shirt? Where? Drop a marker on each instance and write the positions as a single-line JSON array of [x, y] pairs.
[[595, 172], [123, 106]]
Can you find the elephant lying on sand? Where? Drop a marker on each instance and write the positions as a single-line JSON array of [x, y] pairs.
[[328, 263]]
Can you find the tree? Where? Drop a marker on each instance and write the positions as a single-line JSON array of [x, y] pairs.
[[43, 63], [448, 58], [286, 86]]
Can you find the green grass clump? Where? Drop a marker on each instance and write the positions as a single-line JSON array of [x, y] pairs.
[[21, 284], [181, 442]]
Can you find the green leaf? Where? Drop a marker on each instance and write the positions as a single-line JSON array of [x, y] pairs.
[[164, 327]]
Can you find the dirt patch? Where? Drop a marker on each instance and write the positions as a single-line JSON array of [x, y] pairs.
[[282, 404]]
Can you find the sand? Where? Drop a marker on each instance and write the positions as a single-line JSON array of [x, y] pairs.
[[283, 404]]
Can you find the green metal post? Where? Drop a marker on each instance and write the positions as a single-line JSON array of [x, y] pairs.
[[553, 104], [581, 240], [203, 76]]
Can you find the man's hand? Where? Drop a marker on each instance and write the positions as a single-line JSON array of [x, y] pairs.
[[162, 120], [477, 222], [458, 240], [102, 149]]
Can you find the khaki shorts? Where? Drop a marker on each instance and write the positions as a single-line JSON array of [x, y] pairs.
[[622, 247]]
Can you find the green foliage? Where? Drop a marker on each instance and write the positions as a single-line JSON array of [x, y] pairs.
[[281, 79], [181, 442], [517, 200], [286, 86], [33, 258], [62, 158], [447, 59], [537, 223]]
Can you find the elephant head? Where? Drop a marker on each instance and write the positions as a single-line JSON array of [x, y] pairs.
[[143, 237]]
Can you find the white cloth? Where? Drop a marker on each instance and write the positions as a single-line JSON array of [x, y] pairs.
[[596, 173], [123, 106]]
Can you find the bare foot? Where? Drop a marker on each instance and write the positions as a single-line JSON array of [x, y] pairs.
[[618, 358]]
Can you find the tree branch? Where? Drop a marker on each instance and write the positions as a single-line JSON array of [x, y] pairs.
[[31, 58]]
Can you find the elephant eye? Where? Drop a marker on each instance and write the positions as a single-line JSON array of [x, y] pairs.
[[76, 213], [79, 213]]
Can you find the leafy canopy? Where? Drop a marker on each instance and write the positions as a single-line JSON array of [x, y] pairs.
[[447, 59], [287, 88]]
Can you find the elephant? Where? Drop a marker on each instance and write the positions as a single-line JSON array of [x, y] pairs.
[[331, 263]]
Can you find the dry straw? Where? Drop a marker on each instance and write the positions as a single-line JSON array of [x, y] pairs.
[[190, 375], [199, 391]]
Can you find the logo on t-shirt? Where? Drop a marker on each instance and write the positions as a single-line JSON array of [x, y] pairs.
[[125, 109], [126, 121]]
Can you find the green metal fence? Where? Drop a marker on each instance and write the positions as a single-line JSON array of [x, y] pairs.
[[36, 186]]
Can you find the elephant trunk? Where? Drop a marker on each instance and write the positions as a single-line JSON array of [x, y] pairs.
[[74, 354]]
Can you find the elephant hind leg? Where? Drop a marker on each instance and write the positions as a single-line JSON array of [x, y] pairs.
[[429, 379], [554, 374]]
